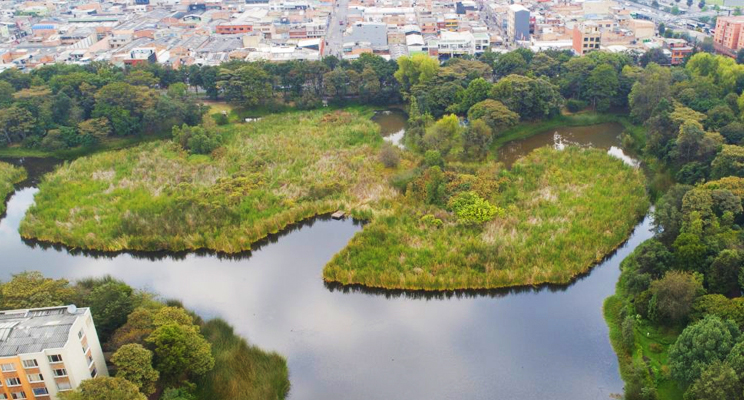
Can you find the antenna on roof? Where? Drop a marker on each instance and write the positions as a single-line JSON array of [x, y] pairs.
[[72, 309]]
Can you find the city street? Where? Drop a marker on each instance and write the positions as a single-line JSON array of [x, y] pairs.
[[336, 27]]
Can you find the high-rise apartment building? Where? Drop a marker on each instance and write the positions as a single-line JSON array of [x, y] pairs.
[[728, 37], [44, 351], [518, 23]]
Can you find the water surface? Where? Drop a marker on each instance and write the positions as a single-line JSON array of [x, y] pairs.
[[392, 124], [601, 136]]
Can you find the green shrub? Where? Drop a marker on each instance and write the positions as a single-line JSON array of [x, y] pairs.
[[471, 209]]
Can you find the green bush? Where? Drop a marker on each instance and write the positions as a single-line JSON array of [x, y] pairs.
[[471, 209]]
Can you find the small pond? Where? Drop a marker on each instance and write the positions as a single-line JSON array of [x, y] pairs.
[[601, 136], [392, 124]]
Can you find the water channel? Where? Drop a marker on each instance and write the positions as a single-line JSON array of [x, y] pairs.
[[350, 343]]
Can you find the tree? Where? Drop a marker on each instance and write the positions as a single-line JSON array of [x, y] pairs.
[[718, 117], [510, 63], [476, 91], [247, 86], [141, 78], [139, 325], [94, 129], [653, 85], [197, 139], [729, 162], [733, 132], [699, 345], [694, 144], [495, 114], [603, 85], [32, 289], [654, 56], [530, 98], [370, 85], [6, 94], [545, 65], [477, 139], [471, 209], [662, 29], [673, 296], [134, 363], [724, 272], [735, 360], [104, 388], [180, 350], [15, 124], [443, 134], [415, 70], [111, 303], [718, 381]]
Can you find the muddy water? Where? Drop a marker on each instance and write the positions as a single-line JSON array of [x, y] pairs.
[[601, 136], [392, 124]]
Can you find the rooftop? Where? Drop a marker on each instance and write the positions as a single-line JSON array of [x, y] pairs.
[[33, 330]]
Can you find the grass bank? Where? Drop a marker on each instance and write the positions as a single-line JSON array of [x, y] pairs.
[[564, 211], [647, 359], [241, 371], [9, 175], [267, 175], [528, 129]]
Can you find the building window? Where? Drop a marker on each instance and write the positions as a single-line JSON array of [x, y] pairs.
[[40, 391], [30, 364], [90, 360], [94, 373], [15, 381], [3, 396], [80, 334], [60, 372], [35, 377], [18, 395], [55, 358], [64, 386], [7, 367]]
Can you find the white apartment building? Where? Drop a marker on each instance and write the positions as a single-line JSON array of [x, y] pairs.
[[44, 351]]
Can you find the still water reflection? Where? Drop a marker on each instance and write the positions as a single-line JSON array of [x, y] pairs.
[[601, 136], [351, 343], [392, 124]]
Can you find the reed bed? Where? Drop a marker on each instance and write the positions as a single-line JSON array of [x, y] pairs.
[[241, 371], [269, 174], [565, 211], [9, 176]]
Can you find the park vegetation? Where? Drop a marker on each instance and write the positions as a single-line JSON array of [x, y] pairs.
[[550, 218], [68, 110], [9, 175], [222, 184], [258, 178], [160, 350], [677, 317]]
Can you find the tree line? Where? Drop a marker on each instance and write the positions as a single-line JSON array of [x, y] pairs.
[[65, 106]]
